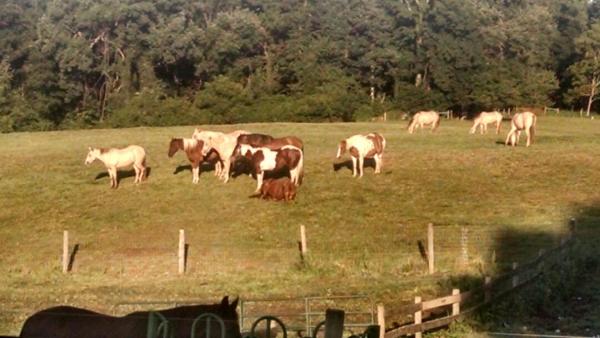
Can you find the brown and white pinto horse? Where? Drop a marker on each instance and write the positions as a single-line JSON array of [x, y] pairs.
[[193, 150], [115, 159], [424, 118], [360, 147], [223, 144], [485, 118], [263, 159], [521, 121]]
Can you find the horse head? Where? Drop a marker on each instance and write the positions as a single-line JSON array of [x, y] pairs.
[[91, 155], [174, 145], [341, 149]]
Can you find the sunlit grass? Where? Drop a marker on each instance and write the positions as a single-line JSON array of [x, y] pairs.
[[362, 233]]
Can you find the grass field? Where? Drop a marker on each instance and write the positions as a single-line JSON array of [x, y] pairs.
[[362, 233]]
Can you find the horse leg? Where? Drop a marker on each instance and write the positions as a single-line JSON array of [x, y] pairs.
[[528, 137], [377, 164], [361, 163], [137, 174], [259, 180], [353, 166], [113, 177], [195, 172], [225, 172], [498, 124], [509, 136]]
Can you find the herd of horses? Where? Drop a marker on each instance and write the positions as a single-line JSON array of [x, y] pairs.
[[282, 159]]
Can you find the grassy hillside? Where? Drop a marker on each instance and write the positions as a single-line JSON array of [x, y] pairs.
[[362, 233]]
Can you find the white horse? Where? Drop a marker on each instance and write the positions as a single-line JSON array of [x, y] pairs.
[[223, 144], [485, 118], [115, 159], [521, 121], [424, 118], [360, 147]]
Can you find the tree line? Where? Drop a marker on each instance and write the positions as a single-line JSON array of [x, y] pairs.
[[82, 63]]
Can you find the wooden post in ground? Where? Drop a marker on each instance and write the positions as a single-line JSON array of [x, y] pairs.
[[65, 252], [456, 306], [381, 320], [181, 251], [572, 226], [418, 317], [430, 252], [303, 246], [515, 279], [487, 284], [464, 247]]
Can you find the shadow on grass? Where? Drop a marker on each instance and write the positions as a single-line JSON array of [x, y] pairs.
[[188, 167], [123, 174], [369, 163]]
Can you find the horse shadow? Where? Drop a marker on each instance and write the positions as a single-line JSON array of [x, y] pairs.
[[188, 167], [369, 163], [123, 174]]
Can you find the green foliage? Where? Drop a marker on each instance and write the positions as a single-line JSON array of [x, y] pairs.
[[77, 62]]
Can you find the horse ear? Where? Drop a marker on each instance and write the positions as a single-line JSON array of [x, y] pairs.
[[89, 148], [225, 301], [235, 302]]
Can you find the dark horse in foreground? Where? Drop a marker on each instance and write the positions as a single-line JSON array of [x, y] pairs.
[[71, 322]]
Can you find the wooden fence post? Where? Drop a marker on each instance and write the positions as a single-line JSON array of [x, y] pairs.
[[418, 317], [181, 251], [515, 279], [487, 284], [572, 226], [464, 246], [456, 306], [430, 252], [303, 246], [381, 320], [65, 252]]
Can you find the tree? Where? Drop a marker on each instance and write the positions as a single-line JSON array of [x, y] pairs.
[[586, 71]]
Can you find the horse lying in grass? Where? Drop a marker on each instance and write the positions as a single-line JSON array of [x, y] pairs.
[[115, 159], [422, 119], [287, 158], [193, 151], [72, 322], [521, 121], [360, 147], [280, 189], [485, 118]]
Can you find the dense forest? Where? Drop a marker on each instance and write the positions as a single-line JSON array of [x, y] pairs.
[[83, 63]]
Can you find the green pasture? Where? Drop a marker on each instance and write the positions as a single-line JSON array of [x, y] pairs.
[[362, 233]]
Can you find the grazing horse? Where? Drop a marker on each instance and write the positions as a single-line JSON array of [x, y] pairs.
[[485, 118], [363, 146], [521, 121], [223, 144], [115, 159], [263, 159], [193, 150], [281, 189], [424, 118], [71, 322]]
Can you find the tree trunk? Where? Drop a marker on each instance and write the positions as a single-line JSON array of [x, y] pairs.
[[591, 97]]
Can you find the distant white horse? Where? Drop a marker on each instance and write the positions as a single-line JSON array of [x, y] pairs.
[[485, 118], [360, 147], [223, 144], [521, 121], [115, 159], [424, 118]]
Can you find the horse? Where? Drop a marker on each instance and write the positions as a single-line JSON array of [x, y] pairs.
[[360, 147], [422, 119], [485, 118], [115, 159], [223, 144], [281, 189], [521, 121], [263, 159], [72, 322], [193, 150], [262, 140]]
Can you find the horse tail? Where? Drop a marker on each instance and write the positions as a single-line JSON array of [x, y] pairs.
[[533, 125], [300, 168]]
